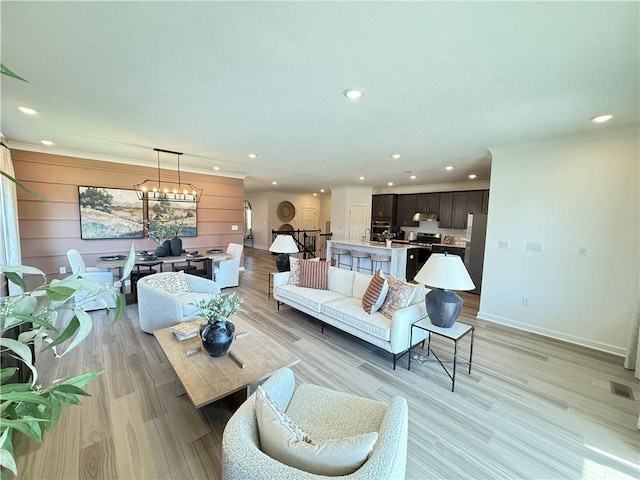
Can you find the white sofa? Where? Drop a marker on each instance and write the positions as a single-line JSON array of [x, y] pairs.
[[158, 309], [341, 307]]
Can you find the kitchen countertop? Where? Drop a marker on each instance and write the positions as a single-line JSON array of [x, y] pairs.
[[382, 245]]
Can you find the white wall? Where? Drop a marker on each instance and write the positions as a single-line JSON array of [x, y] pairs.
[[341, 199], [579, 191], [325, 212]]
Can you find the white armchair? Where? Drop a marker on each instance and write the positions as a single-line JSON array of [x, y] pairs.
[[324, 414], [227, 274], [101, 277], [159, 309]]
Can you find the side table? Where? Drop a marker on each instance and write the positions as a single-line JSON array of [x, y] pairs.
[[270, 287], [455, 333]]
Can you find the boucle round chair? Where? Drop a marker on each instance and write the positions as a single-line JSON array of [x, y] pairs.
[[323, 414]]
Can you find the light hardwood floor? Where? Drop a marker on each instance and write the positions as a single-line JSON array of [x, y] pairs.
[[531, 408]]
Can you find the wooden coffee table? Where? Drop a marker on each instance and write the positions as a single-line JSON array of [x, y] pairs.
[[206, 379]]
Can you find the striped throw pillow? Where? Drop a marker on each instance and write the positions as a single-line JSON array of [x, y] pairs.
[[376, 292], [314, 274]]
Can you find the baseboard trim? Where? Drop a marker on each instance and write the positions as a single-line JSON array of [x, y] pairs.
[[603, 347]]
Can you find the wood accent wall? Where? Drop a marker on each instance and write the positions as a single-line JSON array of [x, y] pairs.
[[49, 229]]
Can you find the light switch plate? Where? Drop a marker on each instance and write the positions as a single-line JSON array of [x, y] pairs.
[[234, 227]]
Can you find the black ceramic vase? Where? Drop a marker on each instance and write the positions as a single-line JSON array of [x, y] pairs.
[[217, 337], [163, 250], [176, 246]]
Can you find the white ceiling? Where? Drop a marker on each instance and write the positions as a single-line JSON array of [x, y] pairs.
[[218, 80]]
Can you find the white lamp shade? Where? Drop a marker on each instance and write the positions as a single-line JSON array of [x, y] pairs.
[[284, 244], [446, 272]]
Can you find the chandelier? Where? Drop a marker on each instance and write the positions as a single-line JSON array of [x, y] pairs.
[[159, 190]]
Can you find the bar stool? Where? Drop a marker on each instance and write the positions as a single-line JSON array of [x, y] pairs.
[[337, 254], [357, 254], [380, 259]]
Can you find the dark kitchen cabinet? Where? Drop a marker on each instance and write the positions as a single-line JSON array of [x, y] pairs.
[[460, 209], [428, 203], [449, 250], [485, 201], [405, 210], [446, 210], [383, 207], [475, 201]]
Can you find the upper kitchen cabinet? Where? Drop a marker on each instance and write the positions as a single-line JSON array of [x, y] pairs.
[[383, 207], [478, 201], [446, 210], [460, 209], [428, 203], [405, 210]]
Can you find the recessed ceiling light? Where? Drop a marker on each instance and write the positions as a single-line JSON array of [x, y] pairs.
[[353, 93], [472, 176], [396, 156], [216, 168], [28, 111], [48, 143], [449, 167], [315, 194], [274, 183], [322, 190], [413, 177], [252, 155], [361, 177], [602, 118], [390, 184]]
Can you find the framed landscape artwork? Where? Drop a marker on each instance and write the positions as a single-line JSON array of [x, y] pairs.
[[107, 213], [183, 213]]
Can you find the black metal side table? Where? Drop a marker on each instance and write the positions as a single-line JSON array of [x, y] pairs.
[[455, 333]]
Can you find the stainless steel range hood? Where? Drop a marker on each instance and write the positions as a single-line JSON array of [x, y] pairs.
[[425, 217]]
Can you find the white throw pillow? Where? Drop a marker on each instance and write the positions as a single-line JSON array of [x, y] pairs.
[[172, 283], [283, 440]]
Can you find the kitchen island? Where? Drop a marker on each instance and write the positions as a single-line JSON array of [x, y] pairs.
[[398, 253]]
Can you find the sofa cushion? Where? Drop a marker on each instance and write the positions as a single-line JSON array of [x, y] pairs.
[[309, 297], [282, 439], [399, 296], [376, 293], [171, 283], [360, 284], [314, 274], [341, 281], [349, 310]]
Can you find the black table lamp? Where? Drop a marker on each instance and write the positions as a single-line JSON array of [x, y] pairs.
[[284, 245]]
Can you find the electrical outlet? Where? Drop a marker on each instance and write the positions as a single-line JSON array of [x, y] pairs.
[[582, 250], [534, 246], [62, 270], [503, 244], [234, 227], [526, 301]]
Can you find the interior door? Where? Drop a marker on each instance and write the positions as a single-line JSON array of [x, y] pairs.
[[357, 222], [309, 218]]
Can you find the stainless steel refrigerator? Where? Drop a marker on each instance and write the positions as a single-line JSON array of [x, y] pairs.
[[474, 253]]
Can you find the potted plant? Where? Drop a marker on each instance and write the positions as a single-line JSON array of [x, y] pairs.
[[164, 229], [217, 333], [51, 316], [388, 235]]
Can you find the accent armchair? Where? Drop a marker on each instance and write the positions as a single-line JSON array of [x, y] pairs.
[[101, 277], [324, 414], [157, 308], [227, 274]]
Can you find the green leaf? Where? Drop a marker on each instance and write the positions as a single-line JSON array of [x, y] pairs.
[[7, 373], [82, 380], [121, 305], [5, 71], [22, 269], [19, 348], [85, 325], [66, 334], [68, 389], [16, 279], [30, 426], [59, 293], [29, 397], [130, 262], [6, 452]]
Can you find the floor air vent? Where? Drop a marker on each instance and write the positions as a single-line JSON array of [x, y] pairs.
[[622, 390]]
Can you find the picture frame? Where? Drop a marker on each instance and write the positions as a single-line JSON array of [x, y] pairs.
[[109, 213], [187, 213]]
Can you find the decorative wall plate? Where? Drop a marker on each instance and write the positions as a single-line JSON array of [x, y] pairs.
[[286, 211]]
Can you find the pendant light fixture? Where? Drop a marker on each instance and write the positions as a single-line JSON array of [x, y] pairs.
[[172, 191]]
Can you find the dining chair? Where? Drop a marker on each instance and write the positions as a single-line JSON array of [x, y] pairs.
[[101, 277], [227, 273]]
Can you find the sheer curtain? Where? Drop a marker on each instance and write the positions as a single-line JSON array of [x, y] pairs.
[[10, 234]]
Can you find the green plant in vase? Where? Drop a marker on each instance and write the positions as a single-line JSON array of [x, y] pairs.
[[217, 333]]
